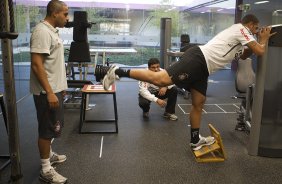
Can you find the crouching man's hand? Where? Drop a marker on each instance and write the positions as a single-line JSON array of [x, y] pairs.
[[161, 103]]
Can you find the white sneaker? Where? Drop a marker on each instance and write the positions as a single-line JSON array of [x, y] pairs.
[[110, 77], [56, 158], [204, 141], [172, 117], [52, 177]]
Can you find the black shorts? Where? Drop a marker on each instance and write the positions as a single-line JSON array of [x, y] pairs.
[[191, 71], [50, 121]]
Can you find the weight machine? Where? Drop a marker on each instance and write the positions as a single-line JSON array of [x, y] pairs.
[[244, 84], [266, 125], [6, 158], [79, 56], [7, 34]]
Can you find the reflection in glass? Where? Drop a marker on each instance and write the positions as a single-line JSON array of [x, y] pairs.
[[277, 17]]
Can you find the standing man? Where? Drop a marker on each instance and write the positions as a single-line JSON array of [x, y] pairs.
[[150, 93], [197, 63], [47, 84]]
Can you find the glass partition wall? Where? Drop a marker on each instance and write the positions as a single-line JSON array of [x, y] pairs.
[[132, 26], [269, 12]]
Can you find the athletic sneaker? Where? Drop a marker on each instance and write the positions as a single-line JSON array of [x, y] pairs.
[[110, 77], [204, 141], [52, 177], [172, 117], [57, 158], [146, 115]]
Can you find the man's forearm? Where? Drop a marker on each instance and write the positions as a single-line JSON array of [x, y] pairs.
[[247, 53]]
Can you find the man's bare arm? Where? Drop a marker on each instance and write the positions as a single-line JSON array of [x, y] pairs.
[[37, 67], [247, 53], [258, 48]]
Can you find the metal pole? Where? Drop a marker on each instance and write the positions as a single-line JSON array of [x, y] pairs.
[[165, 41], [10, 96], [238, 12], [257, 104]]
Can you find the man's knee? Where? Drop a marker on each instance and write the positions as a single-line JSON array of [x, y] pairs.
[[198, 107], [174, 90], [143, 102], [172, 93], [199, 104], [162, 79]]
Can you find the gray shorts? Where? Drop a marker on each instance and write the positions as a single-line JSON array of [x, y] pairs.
[[191, 71], [50, 121]]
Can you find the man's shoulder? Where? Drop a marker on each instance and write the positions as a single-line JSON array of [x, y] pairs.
[[41, 28], [236, 26], [39, 25], [230, 33]]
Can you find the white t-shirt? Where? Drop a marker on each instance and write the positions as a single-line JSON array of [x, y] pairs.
[[147, 90], [226, 46], [45, 40]]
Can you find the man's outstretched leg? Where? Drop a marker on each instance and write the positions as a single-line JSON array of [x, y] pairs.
[[197, 141], [164, 78], [157, 78]]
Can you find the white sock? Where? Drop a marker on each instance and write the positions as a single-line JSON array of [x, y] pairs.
[[51, 153], [46, 166]]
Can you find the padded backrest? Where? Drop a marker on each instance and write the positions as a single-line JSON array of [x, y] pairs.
[[186, 46], [245, 75], [184, 38], [79, 52]]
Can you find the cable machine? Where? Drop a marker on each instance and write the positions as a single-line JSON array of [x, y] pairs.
[[7, 34], [265, 134]]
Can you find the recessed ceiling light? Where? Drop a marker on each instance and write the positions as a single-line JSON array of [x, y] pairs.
[[261, 2]]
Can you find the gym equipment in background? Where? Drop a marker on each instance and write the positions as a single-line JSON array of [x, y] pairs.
[[78, 56], [244, 84], [7, 33], [266, 125], [79, 52], [6, 158]]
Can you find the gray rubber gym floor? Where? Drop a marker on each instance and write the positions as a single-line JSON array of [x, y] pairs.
[[143, 152]]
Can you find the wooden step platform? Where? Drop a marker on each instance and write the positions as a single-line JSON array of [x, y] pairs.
[[211, 153]]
